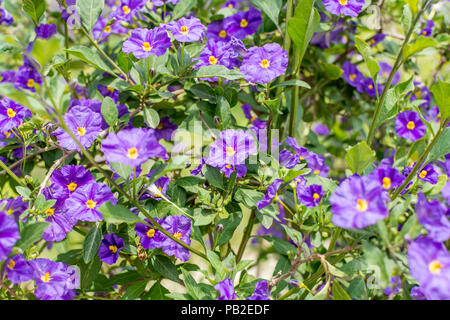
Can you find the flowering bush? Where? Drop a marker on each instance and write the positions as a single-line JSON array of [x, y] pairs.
[[262, 149]]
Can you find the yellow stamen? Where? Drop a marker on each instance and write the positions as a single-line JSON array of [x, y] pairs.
[[230, 151], [110, 89], [418, 93], [11, 113], [316, 196], [49, 212], [370, 86], [222, 34], [386, 182], [316, 171], [7, 134], [178, 235], [230, 6], [371, 41], [212, 60], [435, 267], [46, 277], [107, 29], [72, 186], [151, 233], [113, 248], [410, 125], [132, 153], [423, 174], [160, 126], [265, 63], [424, 32], [184, 30], [30, 83], [126, 9], [253, 118], [244, 23], [91, 204], [81, 131], [147, 47], [343, 2], [352, 77], [362, 205], [11, 264]]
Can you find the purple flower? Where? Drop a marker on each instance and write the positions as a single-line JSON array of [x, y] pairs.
[[264, 64], [428, 30], [8, 76], [27, 76], [66, 180], [358, 202], [159, 3], [132, 147], [18, 270], [385, 70], [84, 124], [243, 24], [310, 196], [423, 93], [316, 162], [261, 292], [350, 8], [217, 52], [247, 108], [352, 75], [387, 177], [369, 87], [377, 39], [432, 215], [12, 114], [150, 237], [9, 234], [157, 189], [45, 31], [180, 228], [198, 170], [417, 293], [165, 129], [108, 92], [226, 290], [143, 42], [429, 264], [187, 29], [14, 207], [232, 147], [5, 17], [321, 129], [270, 195], [127, 9], [83, 204], [228, 169], [102, 30], [409, 125], [428, 174], [54, 280], [396, 282], [109, 248], [216, 30]]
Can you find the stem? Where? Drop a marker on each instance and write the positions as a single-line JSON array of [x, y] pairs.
[[12, 174], [397, 64], [421, 159], [247, 232]]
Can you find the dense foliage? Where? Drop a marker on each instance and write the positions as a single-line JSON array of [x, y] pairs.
[[212, 149]]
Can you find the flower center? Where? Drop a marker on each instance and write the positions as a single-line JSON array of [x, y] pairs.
[[91, 204], [316, 196], [370, 86], [230, 6], [222, 34], [7, 134], [81, 131], [410, 125], [46, 277], [386, 182], [184, 30], [244, 23], [343, 2], [151, 233], [424, 32], [371, 41], [316, 171], [11, 113], [178, 235], [110, 89], [11, 264], [72, 186], [423, 174], [352, 77], [212, 60], [253, 118], [160, 126], [362, 205], [107, 29], [435, 267], [49, 212], [418, 93], [126, 9], [230, 151], [30, 83], [113, 248], [132, 153], [146, 46], [265, 63]]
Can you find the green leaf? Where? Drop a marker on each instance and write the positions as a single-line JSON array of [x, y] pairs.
[[90, 56], [30, 234], [190, 284], [393, 96], [281, 246], [271, 8], [442, 146], [365, 51], [109, 111], [181, 8], [166, 267], [34, 8], [45, 49], [135, 290], [89, 272], [156, 292], [332, 71], [122, 170], [24, 192], [248, 197], [217, 71], [293, 83], [375, 258], [217, 264], [359, 157], [203, 91], [229, 227], [224, 111], [92, 243], [89, 12], [303, 24], [117, 214], [151, 117], [214, 177], [406, 18], [418, 45], [441, 94], [339, 293]]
